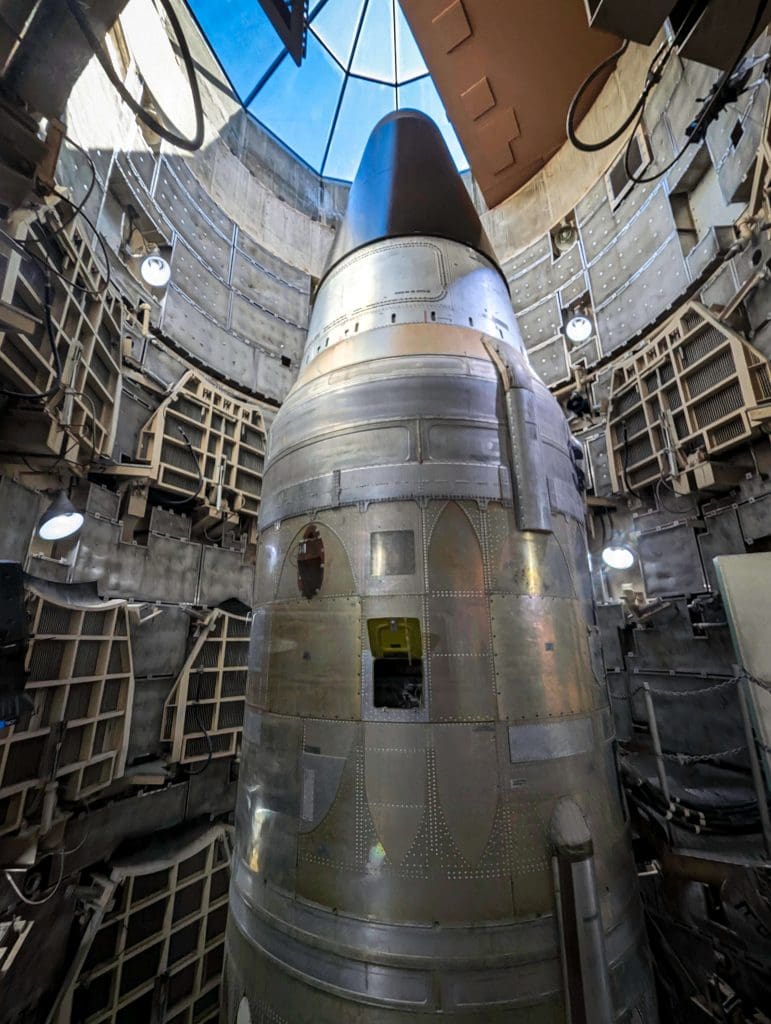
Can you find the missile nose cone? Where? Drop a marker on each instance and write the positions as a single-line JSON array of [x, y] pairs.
[[407, 184]]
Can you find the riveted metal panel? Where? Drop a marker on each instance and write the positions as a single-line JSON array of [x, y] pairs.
[[267, 814], [287, 301], [550, 360], [266, 262], [395, 774], [544, 277], [314, 666], [337, 578], [540, 323], [178, 187], [461, 664], [534, 252], [646, 295], [261, 326], [454, 553], [203, 338], [361, 528], [465, 764], [541, 657], [525, 563], [545, 740], [193, 278]]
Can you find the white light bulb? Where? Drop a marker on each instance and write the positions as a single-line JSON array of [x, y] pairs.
[[579, 328], [155, 270], [61, 526], [618, 556]]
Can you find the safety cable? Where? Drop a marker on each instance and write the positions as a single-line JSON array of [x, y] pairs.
[[167, 131]]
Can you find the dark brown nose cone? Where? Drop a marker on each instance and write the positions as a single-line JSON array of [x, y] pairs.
[[407, 184]]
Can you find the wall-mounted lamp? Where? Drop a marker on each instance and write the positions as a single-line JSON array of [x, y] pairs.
[[618, 555], [60, 520], [156, 269], [150, 259], [578, 327]]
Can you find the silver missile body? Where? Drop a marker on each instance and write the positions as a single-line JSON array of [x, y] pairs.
[[429, 821]]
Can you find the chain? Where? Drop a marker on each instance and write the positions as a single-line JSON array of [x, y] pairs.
[[681, 693], [699, 758]]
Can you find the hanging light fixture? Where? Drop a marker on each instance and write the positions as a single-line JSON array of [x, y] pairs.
[[60, 520]]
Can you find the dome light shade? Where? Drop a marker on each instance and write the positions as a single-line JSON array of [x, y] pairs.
[[155, 270], [60, 520], [579, 328], [618, 556]]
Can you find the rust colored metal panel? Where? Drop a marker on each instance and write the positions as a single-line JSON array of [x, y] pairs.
[[534, 57]]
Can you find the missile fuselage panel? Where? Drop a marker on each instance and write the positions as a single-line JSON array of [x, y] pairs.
[[427, 716]]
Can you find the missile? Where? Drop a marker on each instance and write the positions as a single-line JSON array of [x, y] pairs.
[[429, 821]]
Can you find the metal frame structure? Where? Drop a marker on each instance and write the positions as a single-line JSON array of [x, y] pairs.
[[344, 65], [691, 387], [222, 465], [205, 709], [159, 947], [87, 323], [81, 686]]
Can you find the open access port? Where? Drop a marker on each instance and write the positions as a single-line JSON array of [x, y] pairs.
[[397, 652], [310, 563]]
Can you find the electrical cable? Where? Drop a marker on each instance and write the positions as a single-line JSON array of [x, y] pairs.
[[46, 264], [199, 722], [626, 464], [697, 128], [167, 131], [199, 488], [46, 238], [79, 208], [693, 510], [58, 370], [37, 903], [652, 77]]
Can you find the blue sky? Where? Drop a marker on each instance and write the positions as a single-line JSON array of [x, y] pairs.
[[362, 62]]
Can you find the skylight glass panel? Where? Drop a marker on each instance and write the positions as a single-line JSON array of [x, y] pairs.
[[409, 60], [364, 103], [336, 25], [362, 62], [243, 38], [374, 56], [298, 104]]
